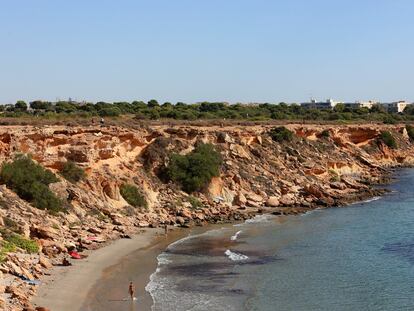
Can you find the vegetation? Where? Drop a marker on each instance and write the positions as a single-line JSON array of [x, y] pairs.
[[133, 195], [325, 134], [30, 182], [195, 202], [194, 171], [72, 172], [281, 134], [204, 110], [11, 241], [410, 131], [387, 138]]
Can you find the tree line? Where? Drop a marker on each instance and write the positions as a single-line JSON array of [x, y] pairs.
[[153, 110]]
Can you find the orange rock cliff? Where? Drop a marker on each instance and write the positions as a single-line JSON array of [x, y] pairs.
[[323, 166]]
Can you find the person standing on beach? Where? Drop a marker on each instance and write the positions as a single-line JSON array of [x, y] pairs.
[[131, 290], [165, 229]]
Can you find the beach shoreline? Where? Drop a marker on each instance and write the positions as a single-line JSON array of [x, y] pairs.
[[67, 288]]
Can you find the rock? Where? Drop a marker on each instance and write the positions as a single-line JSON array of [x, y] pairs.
[[273, 201], [287, 200], [180, 220], [337, 185], [184, 212], [240, 199], [60, 189], [252, 203], [44, 262], [43, 232], [314, 190], [42, 309], [254, 197], [239, 151]]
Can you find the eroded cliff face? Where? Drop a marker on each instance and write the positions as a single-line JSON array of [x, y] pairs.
[[258, 175]]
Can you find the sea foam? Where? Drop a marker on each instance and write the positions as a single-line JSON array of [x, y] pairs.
[[236, 235], [235, 256]]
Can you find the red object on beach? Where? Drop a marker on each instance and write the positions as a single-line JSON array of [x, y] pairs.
[[74, 255]]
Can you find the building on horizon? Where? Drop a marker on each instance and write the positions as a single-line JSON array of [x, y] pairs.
[[329, 104], [396, 107], [361, 104]]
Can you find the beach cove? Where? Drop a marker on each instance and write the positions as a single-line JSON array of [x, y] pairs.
[[207, 268]]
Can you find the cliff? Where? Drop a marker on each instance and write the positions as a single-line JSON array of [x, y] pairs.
[[323, 166]]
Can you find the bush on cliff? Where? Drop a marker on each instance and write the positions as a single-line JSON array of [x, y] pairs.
[[30, 181], [194, 171], [387, 138], [11, 241], [133, 195], [281, 134], [410, 131], [72, 172]]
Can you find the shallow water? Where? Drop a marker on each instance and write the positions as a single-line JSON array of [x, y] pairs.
[[355, 258]]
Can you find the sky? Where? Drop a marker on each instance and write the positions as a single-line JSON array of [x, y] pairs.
[[206, 50]]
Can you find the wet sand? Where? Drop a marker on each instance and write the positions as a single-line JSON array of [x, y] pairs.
[[67, 288], [110, 291]]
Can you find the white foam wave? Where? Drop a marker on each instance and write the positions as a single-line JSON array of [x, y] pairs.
[[371, 200], [259, 218], [236, 235], [163, 259], [235, 256]]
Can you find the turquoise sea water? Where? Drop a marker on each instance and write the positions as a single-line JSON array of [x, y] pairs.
[[356, 258]]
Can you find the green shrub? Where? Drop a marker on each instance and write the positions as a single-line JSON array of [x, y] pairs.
[[388, 139], [29, 246], [325, 134], [281, 134], [30, 182], [72, 172], [133, 196], [195, 203], [410, 131], [194, 171], [6, 248]]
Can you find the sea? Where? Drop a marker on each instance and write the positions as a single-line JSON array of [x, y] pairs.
[[359, 257]]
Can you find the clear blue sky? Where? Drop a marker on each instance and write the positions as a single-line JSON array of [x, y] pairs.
[[193, 50]]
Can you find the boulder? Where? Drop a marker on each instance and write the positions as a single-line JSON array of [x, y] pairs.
[[240, 199], [273, 201], [287, 200], [254, 197], [44, 262], [252, 203], [43, 232]]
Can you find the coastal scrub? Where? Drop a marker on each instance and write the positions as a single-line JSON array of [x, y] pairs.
[[195, 170], [133, 195], [30, 181]]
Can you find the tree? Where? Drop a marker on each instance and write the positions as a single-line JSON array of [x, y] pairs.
[[339, 107], [20, 105], [195, 170], [153, 103], [38, 104]]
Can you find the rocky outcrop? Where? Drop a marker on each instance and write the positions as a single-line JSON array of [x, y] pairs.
[[257, 175]]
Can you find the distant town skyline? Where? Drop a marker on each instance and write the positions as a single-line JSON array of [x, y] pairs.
[[192, 51]]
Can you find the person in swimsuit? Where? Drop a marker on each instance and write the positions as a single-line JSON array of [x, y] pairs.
[[131, 290]]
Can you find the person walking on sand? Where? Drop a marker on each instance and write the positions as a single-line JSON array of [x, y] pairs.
[[165, 229], [131, 290]]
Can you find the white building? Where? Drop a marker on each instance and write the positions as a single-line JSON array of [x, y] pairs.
[[313, 104], [397, 107], [361, 104]]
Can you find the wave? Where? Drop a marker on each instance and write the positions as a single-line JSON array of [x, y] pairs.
[[372, 199], [235, 256], [259, 219], [236, 235]]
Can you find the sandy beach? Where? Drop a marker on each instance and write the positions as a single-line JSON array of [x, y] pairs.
[[67, 288]]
